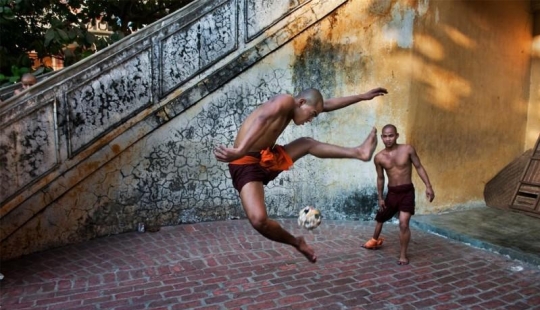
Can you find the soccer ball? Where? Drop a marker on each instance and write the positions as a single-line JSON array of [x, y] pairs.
[[309, 218]]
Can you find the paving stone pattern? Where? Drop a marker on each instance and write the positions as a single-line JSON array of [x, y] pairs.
[[227, 265]]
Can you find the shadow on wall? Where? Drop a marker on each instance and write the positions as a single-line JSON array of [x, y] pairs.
[[469, 92], [500, 190]]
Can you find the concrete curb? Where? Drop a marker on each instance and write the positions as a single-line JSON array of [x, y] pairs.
[[477, 243]]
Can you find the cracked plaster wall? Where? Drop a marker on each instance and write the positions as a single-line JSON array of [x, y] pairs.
[[171, 176]]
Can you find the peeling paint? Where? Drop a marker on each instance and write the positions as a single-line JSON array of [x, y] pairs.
[[423, 7], [400, 28]]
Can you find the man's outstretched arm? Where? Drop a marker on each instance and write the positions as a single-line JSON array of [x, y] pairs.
[[341, 102]]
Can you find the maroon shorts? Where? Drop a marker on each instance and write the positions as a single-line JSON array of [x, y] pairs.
[[243, 174], [398, 198]]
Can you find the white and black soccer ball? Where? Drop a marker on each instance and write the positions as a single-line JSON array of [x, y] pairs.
[[309, 218]]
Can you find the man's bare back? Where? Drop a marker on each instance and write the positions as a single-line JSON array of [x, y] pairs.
[[276, 113]]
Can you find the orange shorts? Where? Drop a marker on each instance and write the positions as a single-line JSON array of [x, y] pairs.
[[263, 166]]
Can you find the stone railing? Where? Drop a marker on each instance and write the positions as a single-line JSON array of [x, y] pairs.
[[6, 92], [57, 133]]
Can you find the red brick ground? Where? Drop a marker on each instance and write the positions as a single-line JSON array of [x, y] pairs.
[[227, 265]]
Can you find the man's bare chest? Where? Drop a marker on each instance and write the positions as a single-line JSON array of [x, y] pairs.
[[395, 162]]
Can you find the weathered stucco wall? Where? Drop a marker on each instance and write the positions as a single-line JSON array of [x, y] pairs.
[[458, 92], [533, 115], [469, 93]]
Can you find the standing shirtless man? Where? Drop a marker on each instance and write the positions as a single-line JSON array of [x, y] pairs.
[[255, 159], [397, 161]]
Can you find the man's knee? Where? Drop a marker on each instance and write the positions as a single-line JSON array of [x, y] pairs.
[[306, 140], [404, 223], [258, 222], [299, 147]]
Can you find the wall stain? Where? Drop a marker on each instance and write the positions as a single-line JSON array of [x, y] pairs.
[[358, 205], [316, 66], [116, 148], [319, 64]]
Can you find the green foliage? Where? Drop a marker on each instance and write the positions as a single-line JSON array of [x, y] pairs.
[[17, 73], [58, 28], [125, 16]]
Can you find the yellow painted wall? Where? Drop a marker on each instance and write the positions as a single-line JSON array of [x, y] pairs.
[[469, 93], [533, 117], [458, 73]]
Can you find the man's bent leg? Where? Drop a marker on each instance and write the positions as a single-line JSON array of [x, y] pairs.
[[404, 236], [377, 231], [303, 146], [252, 197], [375, 242]]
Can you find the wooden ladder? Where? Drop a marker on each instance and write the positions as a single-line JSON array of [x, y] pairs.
[[527, 194]]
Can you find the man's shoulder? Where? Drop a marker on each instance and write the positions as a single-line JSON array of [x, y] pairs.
[[406, 147], [282, 100], [378, 156]]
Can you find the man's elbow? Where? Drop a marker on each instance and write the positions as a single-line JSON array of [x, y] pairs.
[[325, 109]]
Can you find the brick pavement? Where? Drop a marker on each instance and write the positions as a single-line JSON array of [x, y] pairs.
[[227, 265]]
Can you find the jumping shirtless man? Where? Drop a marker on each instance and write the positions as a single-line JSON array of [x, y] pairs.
[[255, 159], [397, 161]]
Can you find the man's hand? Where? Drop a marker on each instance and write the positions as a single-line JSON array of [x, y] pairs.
[[430, 194], [226, 154], [379, 91], [382, 205]]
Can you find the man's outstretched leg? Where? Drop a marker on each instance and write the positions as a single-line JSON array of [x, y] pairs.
[[303, 146], [252, 196]]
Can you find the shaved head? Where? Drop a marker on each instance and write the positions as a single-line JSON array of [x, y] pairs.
[[28, 79], [312, 96], [389, 126]]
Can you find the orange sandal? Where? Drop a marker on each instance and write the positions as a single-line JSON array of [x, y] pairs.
[[373, 244]]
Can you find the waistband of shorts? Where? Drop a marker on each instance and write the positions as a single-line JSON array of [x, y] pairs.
[[401, 188], [256, 155]]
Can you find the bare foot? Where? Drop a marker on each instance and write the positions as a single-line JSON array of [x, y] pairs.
[[367, 148], [403, 261], [305, 249]]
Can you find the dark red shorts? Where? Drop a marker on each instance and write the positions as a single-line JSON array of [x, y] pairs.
[[398, 198], [243, 174]]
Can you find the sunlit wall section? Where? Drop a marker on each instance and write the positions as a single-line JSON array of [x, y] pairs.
[[469, 93], [533, 119]]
